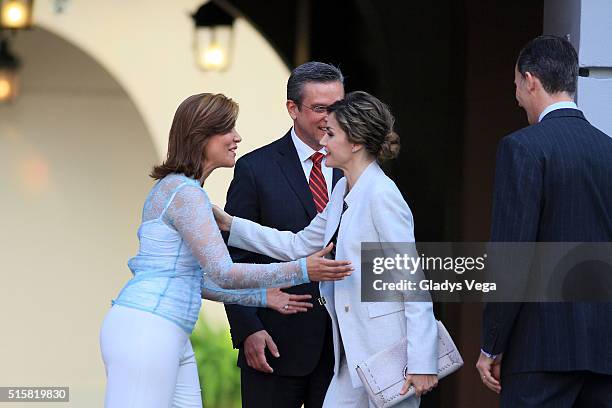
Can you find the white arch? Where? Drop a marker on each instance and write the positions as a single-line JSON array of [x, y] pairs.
[[147, 47]]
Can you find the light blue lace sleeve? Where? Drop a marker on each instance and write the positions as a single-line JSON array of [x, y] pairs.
[[190, 213], [244, 297]]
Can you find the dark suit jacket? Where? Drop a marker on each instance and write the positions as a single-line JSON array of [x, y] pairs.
[[553, 183], [269, 187]]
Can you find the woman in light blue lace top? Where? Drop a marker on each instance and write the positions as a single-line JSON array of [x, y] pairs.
[[182, 257]]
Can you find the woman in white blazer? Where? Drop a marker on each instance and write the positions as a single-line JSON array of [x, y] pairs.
[[360, 133]]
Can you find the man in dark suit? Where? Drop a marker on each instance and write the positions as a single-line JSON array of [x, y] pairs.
[[553, 183], [287, 360]]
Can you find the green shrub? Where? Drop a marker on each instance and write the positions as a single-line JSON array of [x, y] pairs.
[[219, 376]]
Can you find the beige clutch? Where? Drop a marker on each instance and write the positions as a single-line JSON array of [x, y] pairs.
[[383, 374]]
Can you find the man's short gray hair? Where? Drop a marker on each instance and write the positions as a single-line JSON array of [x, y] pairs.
[[311, 71]]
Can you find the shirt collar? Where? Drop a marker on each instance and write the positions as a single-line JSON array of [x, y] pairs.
[[555, 106], [303, 150]]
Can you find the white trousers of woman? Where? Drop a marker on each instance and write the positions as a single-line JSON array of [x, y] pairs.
[[341, 394], [149, 362]]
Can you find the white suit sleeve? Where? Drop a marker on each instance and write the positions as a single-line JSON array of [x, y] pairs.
[[394, 223], [283, 245]]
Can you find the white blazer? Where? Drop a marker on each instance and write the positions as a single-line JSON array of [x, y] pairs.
[[376, 212]]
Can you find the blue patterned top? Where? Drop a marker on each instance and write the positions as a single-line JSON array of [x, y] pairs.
[[182, 258]]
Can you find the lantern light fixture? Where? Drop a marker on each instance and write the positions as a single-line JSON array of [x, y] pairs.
[[214, 37], [16, 14], [9, 78]]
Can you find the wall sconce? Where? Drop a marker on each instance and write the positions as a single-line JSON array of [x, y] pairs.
[[16, 14], [9, 78], [213, 37]]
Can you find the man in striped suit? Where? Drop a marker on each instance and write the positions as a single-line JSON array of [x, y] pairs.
[[553, 183]]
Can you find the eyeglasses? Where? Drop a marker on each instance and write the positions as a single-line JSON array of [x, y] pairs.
[[317, 108]]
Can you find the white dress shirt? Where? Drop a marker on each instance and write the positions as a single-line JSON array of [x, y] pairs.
[[555, 106], [304, 152]]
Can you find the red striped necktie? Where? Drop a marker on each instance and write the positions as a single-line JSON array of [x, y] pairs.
[[317, 184]]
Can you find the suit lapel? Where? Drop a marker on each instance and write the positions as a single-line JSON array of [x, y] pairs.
[[337, 175], [333, 219], [291, 169], [368, 177], [336, 212]]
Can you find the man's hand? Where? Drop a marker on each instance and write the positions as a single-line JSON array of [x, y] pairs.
[[254, 351], [423, 383], [322, 269], [490, 371]]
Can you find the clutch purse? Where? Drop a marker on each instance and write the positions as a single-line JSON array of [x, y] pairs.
[[384, 373]]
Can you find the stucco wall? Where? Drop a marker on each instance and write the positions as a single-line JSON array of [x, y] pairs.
[[146, 46], [589, 24]]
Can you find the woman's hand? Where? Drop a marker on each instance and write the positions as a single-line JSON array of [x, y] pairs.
[[322, 269], [287, 303], [224, 220], [423, 383]]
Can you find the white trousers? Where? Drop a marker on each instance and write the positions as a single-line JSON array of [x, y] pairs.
[[149, 362], [341, 393]]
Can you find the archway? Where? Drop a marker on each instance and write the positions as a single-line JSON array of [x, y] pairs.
[[147, 48], [74, 154]]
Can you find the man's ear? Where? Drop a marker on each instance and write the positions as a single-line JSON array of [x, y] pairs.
[[533, 83], [292, 108]]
